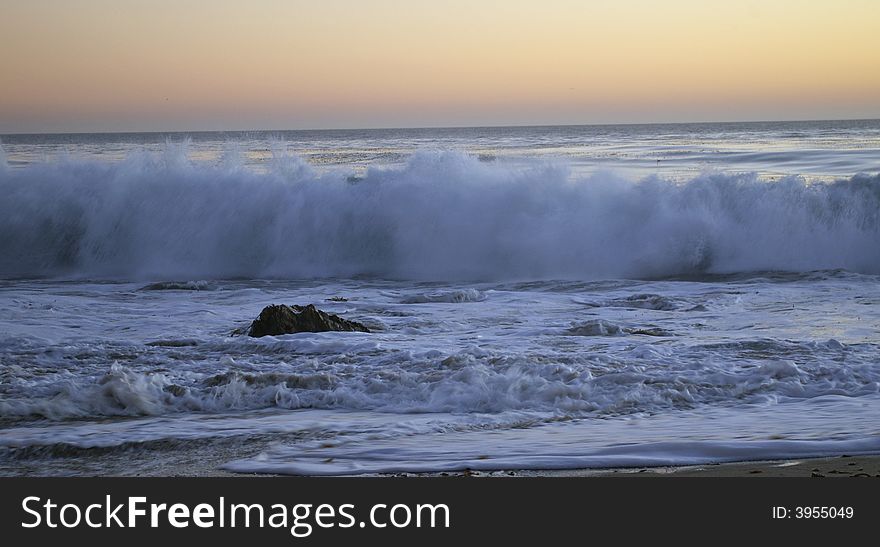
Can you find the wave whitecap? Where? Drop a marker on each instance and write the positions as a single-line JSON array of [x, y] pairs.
[[441, 216]]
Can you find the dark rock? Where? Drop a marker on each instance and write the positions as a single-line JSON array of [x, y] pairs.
[[282, 319]]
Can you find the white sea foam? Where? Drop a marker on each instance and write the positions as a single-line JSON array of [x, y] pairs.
[[441, 216], [357, 376], [477, 353], [798, 430]]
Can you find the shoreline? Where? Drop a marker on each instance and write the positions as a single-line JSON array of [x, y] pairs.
[[834, 466], [196, 459], [824, 467]]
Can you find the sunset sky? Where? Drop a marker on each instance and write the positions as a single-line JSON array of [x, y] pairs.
[[145, 65]]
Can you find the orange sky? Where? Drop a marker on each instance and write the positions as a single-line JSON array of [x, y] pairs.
[[92, 65]]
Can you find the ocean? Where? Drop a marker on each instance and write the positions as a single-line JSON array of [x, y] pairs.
[[538, 298]]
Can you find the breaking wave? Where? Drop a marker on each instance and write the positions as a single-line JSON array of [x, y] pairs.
[[441, 216], [648, 379]]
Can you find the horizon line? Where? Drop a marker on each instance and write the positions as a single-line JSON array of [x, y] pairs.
[[399, 128]]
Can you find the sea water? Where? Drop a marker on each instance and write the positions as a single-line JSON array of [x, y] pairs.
[[538, 298]]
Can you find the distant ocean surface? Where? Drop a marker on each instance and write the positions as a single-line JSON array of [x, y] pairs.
[[822, 149], [539, 297]]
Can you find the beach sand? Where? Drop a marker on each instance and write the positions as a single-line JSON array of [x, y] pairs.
[[841, 466]]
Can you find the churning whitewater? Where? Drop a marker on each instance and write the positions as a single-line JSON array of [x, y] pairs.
[[441, 216], [524, 311]]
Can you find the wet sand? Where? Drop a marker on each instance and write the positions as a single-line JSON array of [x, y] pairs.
[[839, 466]]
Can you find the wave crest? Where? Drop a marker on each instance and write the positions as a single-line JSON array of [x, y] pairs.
[[441, 216]]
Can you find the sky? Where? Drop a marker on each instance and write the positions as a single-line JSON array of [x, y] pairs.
[[165, 65]]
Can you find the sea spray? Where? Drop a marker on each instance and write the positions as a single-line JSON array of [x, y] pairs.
[[441, 216], [4, 163]]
